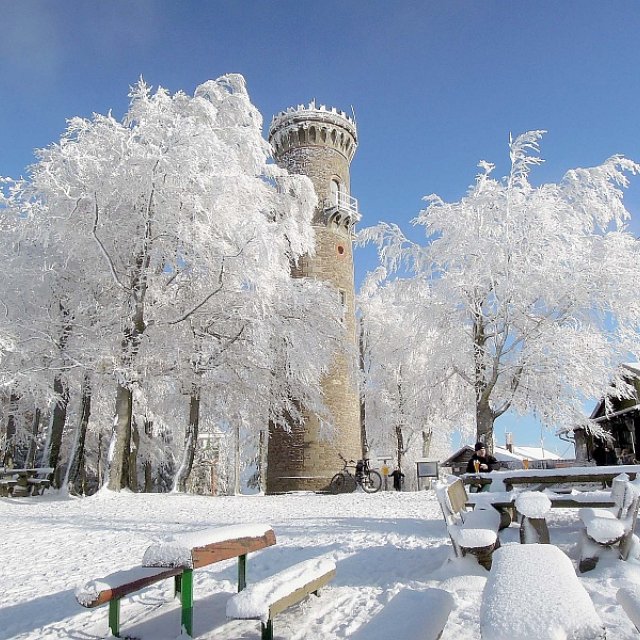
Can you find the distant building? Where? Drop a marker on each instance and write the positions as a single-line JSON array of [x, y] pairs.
[[509, 458], [621, 421]]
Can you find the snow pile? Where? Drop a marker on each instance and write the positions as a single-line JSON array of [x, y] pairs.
[[533, 504], [533, 592], [629, 599], [419, 614], [177, 550], [254, 601]]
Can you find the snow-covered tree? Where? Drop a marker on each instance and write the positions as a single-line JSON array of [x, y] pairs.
[[404, 415], [533, 287], [186, 234]]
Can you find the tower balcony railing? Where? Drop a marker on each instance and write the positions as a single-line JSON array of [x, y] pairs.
[[344, 203]]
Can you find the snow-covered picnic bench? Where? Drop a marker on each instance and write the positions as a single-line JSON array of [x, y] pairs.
[[533, 592], [24, 482], [417, 614], [201, 548], [472, 532], [265, 599], [604, 528], [177, 557]]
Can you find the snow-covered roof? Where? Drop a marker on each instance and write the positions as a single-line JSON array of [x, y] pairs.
[[502, 454], [525, 453]]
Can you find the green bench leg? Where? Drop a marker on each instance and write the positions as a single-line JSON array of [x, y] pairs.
[[267, 630], [186, 590], [114, 617], [242, 572], [177, 586]]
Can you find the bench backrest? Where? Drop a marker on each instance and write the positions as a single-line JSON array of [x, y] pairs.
[[457, 495]]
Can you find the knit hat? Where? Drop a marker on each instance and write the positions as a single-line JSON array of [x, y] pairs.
[[480, 445]]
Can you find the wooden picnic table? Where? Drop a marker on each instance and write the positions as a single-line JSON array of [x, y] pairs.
[[23, 482], [508, 479]]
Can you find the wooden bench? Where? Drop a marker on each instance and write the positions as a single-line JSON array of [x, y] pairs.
[[265, 599], [38, 485], [419, 615], [533, 592], [115, 586], [471, 532], [191, 551], [605, 528], [6, 486]]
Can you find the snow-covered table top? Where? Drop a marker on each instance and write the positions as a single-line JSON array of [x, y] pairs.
[[200, 548], [501, 480], [533, 592]]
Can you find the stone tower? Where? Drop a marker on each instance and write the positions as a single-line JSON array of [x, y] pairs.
[[320, 143]]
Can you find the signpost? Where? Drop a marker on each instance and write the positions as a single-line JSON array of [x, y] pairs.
[[427, 469]]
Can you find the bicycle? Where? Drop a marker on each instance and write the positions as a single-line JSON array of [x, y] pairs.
[[346, 482]]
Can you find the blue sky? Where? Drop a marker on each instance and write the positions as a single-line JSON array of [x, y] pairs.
[[436, 86]]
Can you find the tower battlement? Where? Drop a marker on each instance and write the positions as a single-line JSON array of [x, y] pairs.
[[314, 125]]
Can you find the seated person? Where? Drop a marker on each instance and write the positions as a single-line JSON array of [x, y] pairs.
[[486, 461]]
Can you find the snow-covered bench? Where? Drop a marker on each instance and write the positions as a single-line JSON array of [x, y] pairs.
[[419, 615], [265, 599], [604, 528], [197, 549], [629, 599], [177, 557], [471, 532], [115, 586], [533, 592]]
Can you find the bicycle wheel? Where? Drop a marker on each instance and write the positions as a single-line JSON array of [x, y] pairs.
[[372, 482], [342, 483]]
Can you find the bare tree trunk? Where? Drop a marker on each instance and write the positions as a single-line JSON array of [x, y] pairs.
[[148, 465], [58, 422], [399, 446], [236, 461], [363, 397], [262, 460], [133, 457], [30, 462], [191, 441], [74, 479], [427, 435], [11, 430], [484, 424], [121, 440]]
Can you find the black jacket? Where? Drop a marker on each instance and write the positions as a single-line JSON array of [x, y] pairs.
[[489, 460]]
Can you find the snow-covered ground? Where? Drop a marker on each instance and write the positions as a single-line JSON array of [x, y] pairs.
[[382, 544]]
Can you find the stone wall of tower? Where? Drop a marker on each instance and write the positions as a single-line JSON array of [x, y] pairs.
[[307, 457]]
